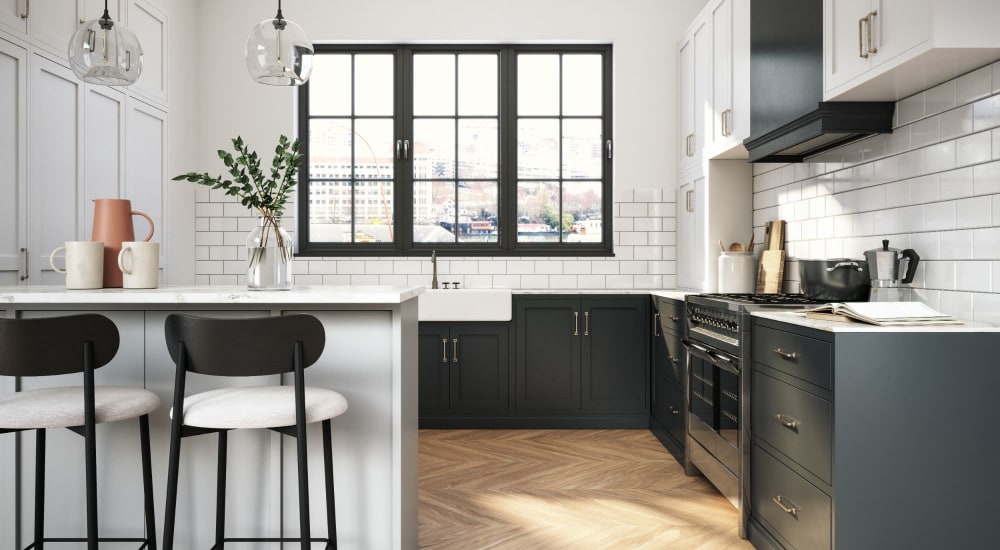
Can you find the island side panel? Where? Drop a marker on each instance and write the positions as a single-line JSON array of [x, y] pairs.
[[915, 444], [406, 455], [358, 361]]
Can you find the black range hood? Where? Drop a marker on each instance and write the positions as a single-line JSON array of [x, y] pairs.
[[789, 120]]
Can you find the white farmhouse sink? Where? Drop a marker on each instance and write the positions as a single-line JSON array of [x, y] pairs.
[[465, 304]]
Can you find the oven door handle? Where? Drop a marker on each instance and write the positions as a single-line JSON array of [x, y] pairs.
[[718, 359]]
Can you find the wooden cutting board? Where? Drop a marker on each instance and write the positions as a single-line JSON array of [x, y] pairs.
[[770, 271]]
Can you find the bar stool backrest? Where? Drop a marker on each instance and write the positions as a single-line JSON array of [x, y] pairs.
[[243, 347], [55, 345]]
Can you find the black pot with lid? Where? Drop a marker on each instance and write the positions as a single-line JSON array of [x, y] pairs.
[[835, 280]]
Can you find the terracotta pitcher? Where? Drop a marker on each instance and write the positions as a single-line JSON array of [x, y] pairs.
[[113, 226]]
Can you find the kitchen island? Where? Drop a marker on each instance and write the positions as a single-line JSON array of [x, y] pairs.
[[370, 357]]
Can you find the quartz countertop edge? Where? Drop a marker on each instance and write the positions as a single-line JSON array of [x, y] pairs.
[[800, 319], [345, 294]]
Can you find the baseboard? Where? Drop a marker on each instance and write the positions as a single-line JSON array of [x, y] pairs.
[[507, 422], [676, 448]]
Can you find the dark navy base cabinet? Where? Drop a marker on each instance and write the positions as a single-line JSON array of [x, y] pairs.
[[873, 439], [668, 407]]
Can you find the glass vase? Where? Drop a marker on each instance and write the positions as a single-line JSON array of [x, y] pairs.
[[269, 256]]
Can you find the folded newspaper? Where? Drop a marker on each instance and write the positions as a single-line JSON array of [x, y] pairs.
[[882, 313]]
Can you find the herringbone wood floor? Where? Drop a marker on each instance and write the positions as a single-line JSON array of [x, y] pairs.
[[564, 489]]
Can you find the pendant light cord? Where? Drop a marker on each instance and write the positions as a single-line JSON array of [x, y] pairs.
[[106, 22]]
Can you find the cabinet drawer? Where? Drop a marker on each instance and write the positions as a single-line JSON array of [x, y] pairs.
[[791, 506], [668, 408], [671, 315], [795, 422], [673, 368], [794, 354]]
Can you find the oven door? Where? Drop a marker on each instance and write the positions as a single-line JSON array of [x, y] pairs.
[[714, 419]]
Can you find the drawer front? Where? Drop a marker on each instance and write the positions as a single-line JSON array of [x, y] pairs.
[[673, 368], [795, 422], [800, 356], [668, 408], [671, 315], [794, 508]]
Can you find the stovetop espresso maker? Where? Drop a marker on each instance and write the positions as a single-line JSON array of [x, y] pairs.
[[888, 268]]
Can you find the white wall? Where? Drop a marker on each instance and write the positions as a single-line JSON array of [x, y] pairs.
[[644, 34], [932, 185]]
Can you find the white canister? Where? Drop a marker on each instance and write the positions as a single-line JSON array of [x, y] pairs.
[[737, 272]]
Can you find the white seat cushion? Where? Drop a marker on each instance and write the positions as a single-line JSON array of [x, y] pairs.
[[258, 407], [63, 407]]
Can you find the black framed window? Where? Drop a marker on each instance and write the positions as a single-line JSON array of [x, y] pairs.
[[475, 150]]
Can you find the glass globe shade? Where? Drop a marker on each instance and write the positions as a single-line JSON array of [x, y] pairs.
[[104, 52], [279, 53]]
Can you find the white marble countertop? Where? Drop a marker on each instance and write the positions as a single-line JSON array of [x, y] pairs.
[[346, 294], [799, 318], [666, 293]]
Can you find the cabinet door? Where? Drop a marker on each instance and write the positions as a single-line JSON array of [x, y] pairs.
[[104, 128], [150, 26], [685, 113], [615, 354], [899, 25], [145, 168], [55, 134], [702, 88], [51, 23], [479, 366], [434, 365], [845, 53], [13, 137], [13, 17], [547, 354], [691, 234], [722, 72]]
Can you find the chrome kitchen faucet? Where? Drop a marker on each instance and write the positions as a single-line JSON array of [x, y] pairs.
[[434, 263]]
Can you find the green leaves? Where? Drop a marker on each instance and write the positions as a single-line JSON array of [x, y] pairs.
[[267, 195]]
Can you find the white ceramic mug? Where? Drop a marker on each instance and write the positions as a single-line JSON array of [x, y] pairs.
[[140, 264], [84, 264]]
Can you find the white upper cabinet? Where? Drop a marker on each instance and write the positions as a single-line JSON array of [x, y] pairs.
[[14, 16], [51, 23], [149, 24], [13, 111], [884, 50], [729, 124], [695, 80]]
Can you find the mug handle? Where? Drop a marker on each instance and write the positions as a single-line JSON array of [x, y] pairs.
[[148, 219], [121, 260], [52, 260]]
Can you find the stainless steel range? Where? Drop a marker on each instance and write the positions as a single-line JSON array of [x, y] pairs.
[[717, 340]]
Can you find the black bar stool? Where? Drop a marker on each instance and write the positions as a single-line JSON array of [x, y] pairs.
[[250, 347], [68, 345]]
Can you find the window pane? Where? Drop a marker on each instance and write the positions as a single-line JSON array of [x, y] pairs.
[[537, 211], [537, 84], [477, 148], [581, 85], [433, 148], [433, 212], [330, 211], [538, 148], [477, 214], [373, 212], [582, 148], [329, 149], [434, 84], [330, 85], [373, 85], [582, 204], [374, 148], [477, 85]]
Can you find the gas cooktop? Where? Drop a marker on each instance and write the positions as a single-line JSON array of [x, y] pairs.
[[779, 299]]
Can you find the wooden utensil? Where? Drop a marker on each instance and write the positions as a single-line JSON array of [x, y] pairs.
[[750, 246], [722, 247], [770, 271], [736, 247]]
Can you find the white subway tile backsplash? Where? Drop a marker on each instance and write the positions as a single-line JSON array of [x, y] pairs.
[[925, 189], [910, 109], [647, 195], [924, 132], [644, 253], [973, 149], [624, 195], [650, 282], [939, 216], [973, 212], [605, 267], [939, 275], [535, 281], [940, 98], [576, 267], [591, 281], [662, 209], [563, 281], [986, 308], [492, 267], [619, 281], [972, 276], [957, 183], [986, 243], [632, 209], [956, 122], [986, 113], [648, 224], [660, 238], [986, 178], [624, 224], [936, 158]]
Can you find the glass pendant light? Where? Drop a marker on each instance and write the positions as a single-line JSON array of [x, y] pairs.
[[279, 53], [104, 52]]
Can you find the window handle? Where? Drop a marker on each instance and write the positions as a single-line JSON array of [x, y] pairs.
[[406, 149], [399, 145], [26, 271], [607, 145]]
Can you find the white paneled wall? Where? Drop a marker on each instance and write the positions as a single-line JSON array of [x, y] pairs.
[[932, 185], [645, 253]]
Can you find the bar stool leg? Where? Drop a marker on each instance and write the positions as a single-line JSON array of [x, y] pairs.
[[172, 471], [147, 481], [39, 488], [220, 494], [331, 510], [300, 440]]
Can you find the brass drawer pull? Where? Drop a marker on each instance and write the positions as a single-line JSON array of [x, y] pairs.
[[786, 508], [788, 355], [673, 410], [674, 318], [787, 421]]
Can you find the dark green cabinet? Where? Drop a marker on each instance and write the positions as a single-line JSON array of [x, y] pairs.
[[464, 367], [582, 356]]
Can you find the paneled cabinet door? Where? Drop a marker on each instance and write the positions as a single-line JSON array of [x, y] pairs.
[[13, 17], [104, 128], [13, 159], [844, 40], [149, 24], [55, 165], [695, 81], [51, 23], [691, 233], [145, 168], [480, 363], [730, 86], [434, 367], [547, 362], [616, 354]]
